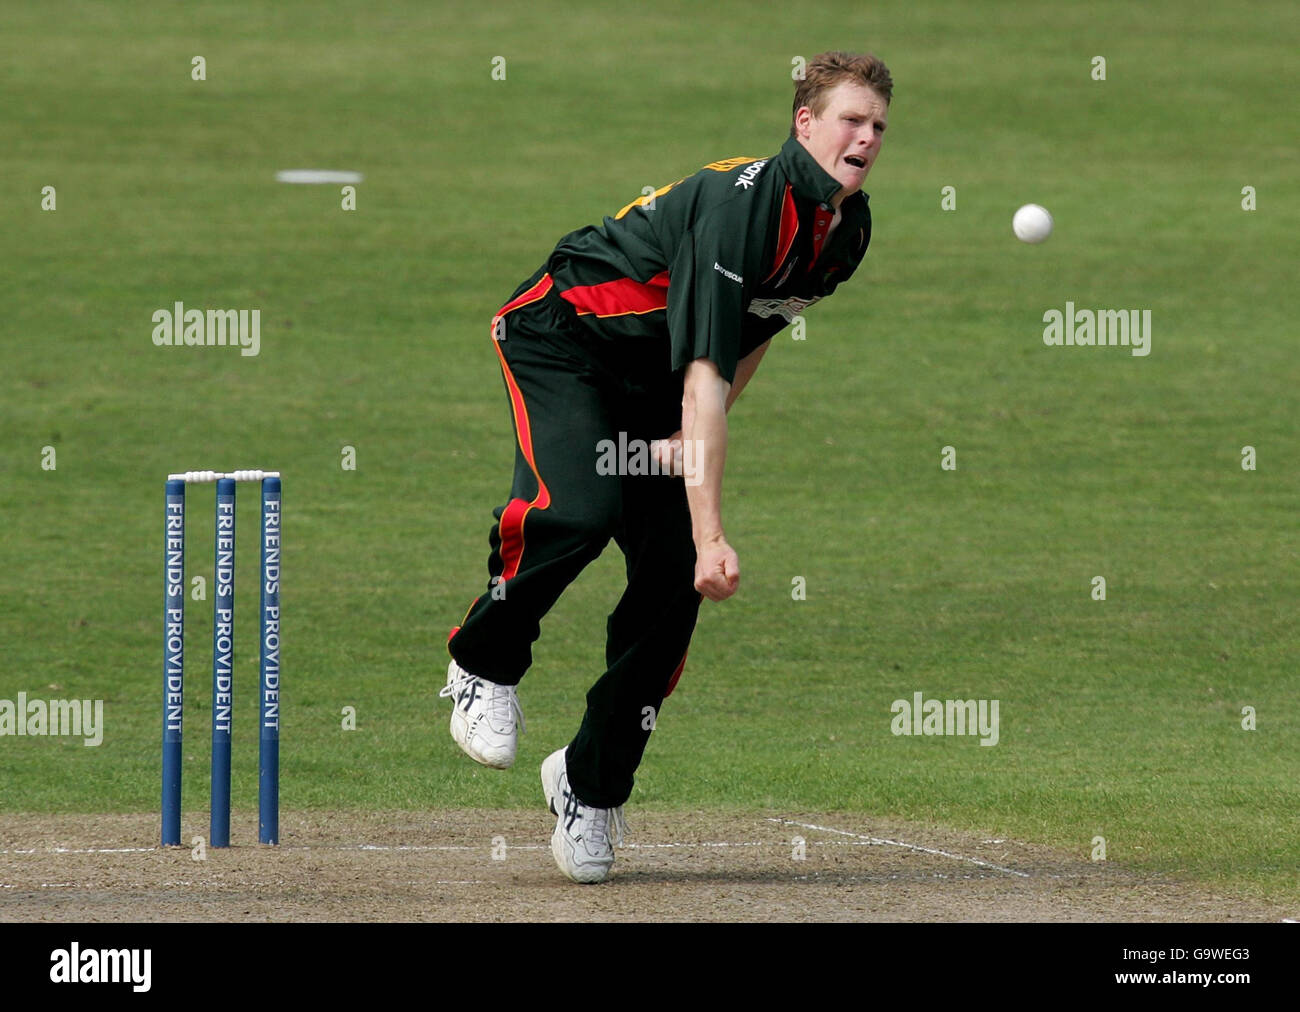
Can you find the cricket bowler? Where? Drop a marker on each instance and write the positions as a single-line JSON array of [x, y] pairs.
[[642, 332]]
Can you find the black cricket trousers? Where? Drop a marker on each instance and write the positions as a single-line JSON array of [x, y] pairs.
[[566, 397]]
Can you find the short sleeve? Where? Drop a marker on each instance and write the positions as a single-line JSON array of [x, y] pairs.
[[708, 291]]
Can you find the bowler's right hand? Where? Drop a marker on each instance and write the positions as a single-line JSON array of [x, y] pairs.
[[717, 569]]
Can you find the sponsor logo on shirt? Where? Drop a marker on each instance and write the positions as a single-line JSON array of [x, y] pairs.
[[728, 274], [787, 308], [746, 177]]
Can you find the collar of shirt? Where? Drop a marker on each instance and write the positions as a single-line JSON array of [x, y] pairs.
[[810, 180]]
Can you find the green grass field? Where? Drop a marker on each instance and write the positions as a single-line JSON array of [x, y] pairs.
[[1120, 718]]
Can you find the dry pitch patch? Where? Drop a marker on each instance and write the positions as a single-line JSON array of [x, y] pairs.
[[439, 866]]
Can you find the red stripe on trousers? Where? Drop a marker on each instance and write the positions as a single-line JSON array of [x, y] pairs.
[[672, 682], [510, 527]]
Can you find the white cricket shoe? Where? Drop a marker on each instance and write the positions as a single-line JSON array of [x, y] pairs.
[[581, 844], [483, 717]]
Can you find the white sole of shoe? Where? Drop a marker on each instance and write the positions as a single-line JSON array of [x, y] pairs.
[[492, 760]]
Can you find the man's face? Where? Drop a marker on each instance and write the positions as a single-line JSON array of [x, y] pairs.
[[846, 138]]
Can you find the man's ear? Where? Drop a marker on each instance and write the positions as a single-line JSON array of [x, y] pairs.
[[801, 118]]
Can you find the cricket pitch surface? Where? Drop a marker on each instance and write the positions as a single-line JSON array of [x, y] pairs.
[[496, 865]]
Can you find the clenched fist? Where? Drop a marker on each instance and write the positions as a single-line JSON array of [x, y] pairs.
[[717, 569]]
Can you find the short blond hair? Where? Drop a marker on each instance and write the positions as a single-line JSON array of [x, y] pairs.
[[825, 70]]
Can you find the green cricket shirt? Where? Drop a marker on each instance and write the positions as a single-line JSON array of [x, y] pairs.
[[713, 265]]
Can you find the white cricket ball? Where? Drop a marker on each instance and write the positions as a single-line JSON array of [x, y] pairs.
[[1032, 223]]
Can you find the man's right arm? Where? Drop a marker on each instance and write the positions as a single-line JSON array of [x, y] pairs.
[[704, 426], [745, 370], [714, 270]]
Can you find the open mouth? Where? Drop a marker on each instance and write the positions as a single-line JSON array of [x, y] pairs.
[[857, 161]]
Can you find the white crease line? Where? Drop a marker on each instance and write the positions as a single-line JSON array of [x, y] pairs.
[[387, 848], [838, 877], [897, 843], [421, 847], [654, 846], [783, 844], [28, 851], [537, 846], [45, 885], [85, 850]]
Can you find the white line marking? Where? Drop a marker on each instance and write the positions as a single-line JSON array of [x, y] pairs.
[[82, 850], [538, 846], [878, 841], [410, 846], [414, 847]]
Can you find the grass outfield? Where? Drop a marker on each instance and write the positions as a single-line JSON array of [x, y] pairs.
[[1119, 718]]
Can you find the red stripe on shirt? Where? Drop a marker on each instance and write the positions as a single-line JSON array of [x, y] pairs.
[[789, 229], [619, 298]]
